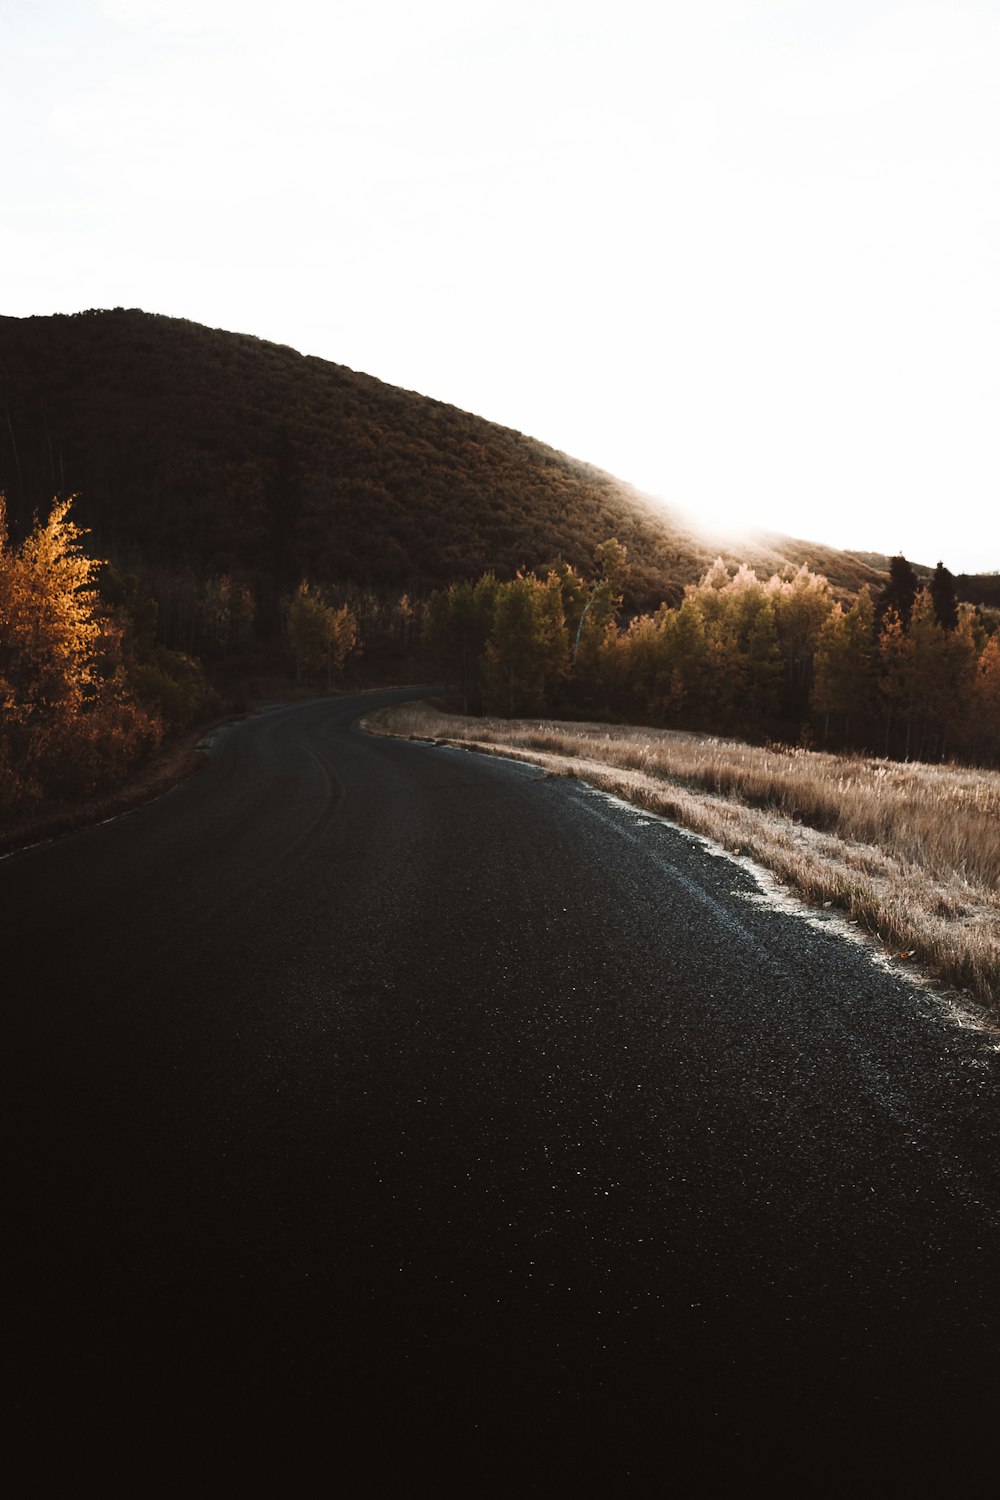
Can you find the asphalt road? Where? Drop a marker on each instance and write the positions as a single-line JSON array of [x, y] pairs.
[[410, 1111]]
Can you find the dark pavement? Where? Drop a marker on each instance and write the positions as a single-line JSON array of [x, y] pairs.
[[412, 1112]]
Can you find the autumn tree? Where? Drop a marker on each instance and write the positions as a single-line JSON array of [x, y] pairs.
[[738, 654], [845, 666], [593, 632], [639, 665], [802, 604], [227, 611], [527, 652], [663, 662], [321, 637], [928, 678], [67, 720], [742, 657], [48, 608], [986, 701], [896, 675], [404, 618], [456, 627], [962, 647], [685, 659]]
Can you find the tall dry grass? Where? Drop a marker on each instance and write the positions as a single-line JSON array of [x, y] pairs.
[[910, 852]]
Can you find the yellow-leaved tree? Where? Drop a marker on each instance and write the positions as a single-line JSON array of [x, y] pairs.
[[67, 724]]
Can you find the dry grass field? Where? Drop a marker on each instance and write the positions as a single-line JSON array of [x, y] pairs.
[[909, 852]]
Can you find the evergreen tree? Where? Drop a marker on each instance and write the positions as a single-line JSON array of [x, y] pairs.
[[899, 593], [943, 595]]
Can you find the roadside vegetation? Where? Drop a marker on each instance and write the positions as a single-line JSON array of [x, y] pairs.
[[909, 672], [909, 852], [97, 712]]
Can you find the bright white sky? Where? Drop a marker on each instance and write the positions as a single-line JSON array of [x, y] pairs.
[[743, 253]]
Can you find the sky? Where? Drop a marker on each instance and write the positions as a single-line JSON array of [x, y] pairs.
[[742, 253]]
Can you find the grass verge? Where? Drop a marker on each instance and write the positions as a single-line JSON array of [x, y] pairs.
[[909, 852]]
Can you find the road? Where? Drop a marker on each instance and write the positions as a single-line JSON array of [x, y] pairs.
[[462, 1125]]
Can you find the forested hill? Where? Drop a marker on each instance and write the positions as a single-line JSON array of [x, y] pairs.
[[192, 446]]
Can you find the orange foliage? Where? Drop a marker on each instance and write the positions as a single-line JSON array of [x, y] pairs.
[[67, 724]]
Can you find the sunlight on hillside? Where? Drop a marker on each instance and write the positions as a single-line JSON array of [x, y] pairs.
[[721, 523], [724, 524]]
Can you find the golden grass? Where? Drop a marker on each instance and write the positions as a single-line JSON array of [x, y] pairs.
[[910, 852]]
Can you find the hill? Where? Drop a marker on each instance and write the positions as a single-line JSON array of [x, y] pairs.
[[193, 447]]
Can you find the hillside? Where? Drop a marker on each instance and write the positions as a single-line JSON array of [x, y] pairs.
[[189, 446]]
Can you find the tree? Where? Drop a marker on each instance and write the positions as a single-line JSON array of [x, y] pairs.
[[986, 701], [845, 665], [48, 607], [527, 652], [604, 599], [67, 720], [639, 661], [764, 666], [959, 687], [802, 604], [743, 662], [685, 659], [928, 677], [457, 625], [321, 637], [899, 592], [896, 678], [943, 595], [227, 614]]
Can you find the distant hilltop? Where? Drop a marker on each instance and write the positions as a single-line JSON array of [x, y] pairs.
[[192, 445]]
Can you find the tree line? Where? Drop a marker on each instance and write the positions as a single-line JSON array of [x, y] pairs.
[[907, 671], [98, 664]]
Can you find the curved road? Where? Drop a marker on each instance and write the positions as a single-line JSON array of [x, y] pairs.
[[458, 1124]]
